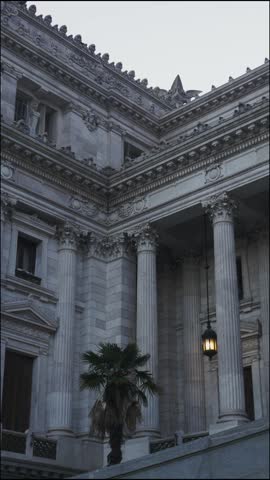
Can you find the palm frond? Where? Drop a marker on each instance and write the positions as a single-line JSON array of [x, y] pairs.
[[146, 382], [92, 381]]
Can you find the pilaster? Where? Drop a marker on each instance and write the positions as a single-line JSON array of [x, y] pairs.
[[263, 260], [194, 396]]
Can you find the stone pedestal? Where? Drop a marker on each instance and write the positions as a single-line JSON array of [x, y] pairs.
[[230, 368], [194, 397], [60, 396], [147, 328]]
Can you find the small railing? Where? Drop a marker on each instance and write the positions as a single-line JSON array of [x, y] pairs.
[[43, 447], [194, 436], [177, 439], [28, 444], [162, 444], [13, 441]]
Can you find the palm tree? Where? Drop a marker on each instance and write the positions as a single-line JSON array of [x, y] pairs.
[[116, 374]]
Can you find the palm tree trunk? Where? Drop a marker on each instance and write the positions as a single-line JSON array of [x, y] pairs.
[[116, 438]]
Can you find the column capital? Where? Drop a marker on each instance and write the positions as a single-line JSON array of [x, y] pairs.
[[146, 238], [68, 235], [10, 70], [109, 247], [8, 205], [220, 207]]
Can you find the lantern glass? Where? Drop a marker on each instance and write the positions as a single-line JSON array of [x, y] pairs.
[[209, 344]]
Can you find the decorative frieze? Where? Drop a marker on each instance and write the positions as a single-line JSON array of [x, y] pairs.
[[213, 173], [7, 171]]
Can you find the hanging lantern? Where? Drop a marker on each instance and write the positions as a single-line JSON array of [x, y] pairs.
[[209, 342], [209, 337]]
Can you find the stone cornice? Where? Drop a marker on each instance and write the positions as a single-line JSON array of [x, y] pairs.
[[228, 139], [111, 95], [55, 165], [75, 44], [184, 161], [218, 97], [79, 83]]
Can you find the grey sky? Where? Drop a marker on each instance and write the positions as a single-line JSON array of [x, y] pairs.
[[205, 42]]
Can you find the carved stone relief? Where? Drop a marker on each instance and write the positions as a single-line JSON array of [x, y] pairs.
[[7, 171], [213, 173]]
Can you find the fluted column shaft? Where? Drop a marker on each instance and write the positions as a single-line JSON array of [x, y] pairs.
[[194, 396], [60, 397], [230, 368], [147, 328], [263, 252], [7, 207]]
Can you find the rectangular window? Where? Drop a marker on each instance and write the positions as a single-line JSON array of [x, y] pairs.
[[47, 122], [17, 390], [239, 278], [131, 152], [21, 107], [26, 258]]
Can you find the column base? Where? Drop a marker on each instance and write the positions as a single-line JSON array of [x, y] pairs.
[[60, 432], [151, 433]]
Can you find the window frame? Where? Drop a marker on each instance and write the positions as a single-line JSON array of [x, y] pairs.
[[27, 98], [41, 253]]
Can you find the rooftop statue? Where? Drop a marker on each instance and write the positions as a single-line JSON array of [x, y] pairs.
[[178, 95]]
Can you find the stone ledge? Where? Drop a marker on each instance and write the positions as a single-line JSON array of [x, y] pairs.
[[203, 446]]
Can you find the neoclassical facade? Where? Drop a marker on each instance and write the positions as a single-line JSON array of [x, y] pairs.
[[105, 183]]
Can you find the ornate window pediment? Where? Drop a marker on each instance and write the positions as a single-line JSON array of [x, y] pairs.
[[28, 314]]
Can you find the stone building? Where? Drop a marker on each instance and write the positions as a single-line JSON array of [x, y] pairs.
[[105, 182]]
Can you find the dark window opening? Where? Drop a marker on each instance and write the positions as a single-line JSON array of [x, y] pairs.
[[26, 259], [239, 278], [46, 124], [17, 391], [21, 107], [249, 400], [131, 152]]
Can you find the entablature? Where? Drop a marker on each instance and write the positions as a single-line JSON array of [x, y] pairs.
[[109, 191], [217, 97], [92, 76]]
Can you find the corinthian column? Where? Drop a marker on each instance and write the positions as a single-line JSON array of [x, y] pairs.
[[60, 396], [263, 253], [194, 397], [7, 208], [230, 368], [147, 328]]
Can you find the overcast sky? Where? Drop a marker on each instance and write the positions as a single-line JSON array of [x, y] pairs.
[[205, 42]]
